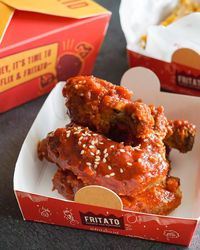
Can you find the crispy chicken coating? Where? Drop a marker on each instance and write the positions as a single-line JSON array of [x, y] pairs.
[[177, 134]]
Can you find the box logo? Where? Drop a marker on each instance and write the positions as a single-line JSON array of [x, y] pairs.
[[71, 62], [100, 220], [187, 80]]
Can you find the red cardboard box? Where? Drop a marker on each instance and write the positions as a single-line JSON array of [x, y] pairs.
[[33, 178], [38, 50], [178, 76], [171, 51]]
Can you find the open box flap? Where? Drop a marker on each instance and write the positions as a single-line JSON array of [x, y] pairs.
[[72, 9], [6, 15], [33, 176]]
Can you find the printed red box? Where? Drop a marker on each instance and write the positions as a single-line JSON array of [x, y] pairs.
[[170, 50], [181, 75], [38, 50]]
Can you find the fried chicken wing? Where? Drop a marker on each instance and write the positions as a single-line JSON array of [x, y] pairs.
[[108, 109], [177, 134], [88, 158], [182, 136], [117, 143], [156, 199]]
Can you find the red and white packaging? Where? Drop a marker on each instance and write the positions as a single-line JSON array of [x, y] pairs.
[[171, 52], [42, 44], [33, 178]]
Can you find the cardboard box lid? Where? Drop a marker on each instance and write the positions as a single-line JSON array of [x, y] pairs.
[[70, 8]]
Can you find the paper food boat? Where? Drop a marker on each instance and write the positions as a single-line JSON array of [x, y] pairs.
[[33, 185]]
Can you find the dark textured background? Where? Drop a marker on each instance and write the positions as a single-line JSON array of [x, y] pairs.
[[14, 125]]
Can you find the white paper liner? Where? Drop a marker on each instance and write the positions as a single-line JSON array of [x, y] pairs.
[[139, 17]]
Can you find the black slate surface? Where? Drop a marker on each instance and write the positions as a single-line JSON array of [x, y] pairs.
[[14, 125]]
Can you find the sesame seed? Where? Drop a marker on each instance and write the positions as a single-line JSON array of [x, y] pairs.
[[91, 146], [68, 135], [98, 152], [112, 174], [84, 145], [107, 176], [129, 163], [95, 166], [101, 143], [84, 81], [105, 150], [106, 155], [122, 150], [91, 169], [112, 146], [88, 163], [96, 162], [92, 153], [139, 160], [92, 142], [97, 158], [77, 132], [138, 147], [79, 143], [82, 152], [121, 170], [104, 160], [109, 167]]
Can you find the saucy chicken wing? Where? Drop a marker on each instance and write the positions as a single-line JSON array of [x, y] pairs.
[[136, 174], [117, 143], [108, 109]]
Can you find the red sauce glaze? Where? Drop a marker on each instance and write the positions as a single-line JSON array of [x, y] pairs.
[[102, 106], [119, 144], [108, 109], [95, 159]]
